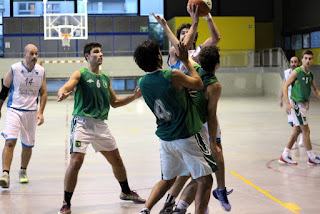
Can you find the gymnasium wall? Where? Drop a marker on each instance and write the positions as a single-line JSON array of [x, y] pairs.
[[236, 81], [119, 35], [237, 33], [264, 35]]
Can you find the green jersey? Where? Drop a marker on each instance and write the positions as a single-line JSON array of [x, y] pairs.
[[176, 115], [92, 96], [301, 88], [200, 100]]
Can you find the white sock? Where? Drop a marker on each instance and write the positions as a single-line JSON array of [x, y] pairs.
[[311, 154], [286, 152], [182, 205]]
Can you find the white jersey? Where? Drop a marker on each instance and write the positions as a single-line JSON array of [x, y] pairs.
[[179, 65], [286, 76], [25, 87]]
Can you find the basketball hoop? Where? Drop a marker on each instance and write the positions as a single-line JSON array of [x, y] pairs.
[[65, 40]]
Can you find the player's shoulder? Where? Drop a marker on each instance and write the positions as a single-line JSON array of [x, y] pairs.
[[16, 65]]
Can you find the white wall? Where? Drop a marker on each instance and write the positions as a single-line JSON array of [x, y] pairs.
[[235, 81]]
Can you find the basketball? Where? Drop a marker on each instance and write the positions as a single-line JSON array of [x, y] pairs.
[[204, 6]]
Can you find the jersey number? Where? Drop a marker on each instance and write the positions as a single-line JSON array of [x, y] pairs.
[[98, 83], [307, 80], [160, 111], [29, 81]]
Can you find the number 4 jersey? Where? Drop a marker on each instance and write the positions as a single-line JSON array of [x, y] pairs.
[[177, 117], [25, 87]]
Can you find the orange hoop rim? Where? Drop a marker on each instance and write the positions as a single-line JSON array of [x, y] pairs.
[[65, 35]]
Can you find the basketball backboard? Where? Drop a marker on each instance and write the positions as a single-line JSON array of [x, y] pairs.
[[61, 26]]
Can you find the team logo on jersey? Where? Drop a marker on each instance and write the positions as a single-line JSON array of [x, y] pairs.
[[303, 78], [37, 72], [78, 144], [22, 71], [105, 84], [90, 81]]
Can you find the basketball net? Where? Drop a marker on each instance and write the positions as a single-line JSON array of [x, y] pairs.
[[65, 41]]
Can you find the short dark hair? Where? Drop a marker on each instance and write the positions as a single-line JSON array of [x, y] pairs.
[[307, 52], [185, 26], [146, 55], [89, 46], [209, 57]]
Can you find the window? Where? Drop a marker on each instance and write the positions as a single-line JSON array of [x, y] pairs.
[[306, 40], [315, 39], [287, 43], [110, 6], [5, 7], [35, 7], [296, 42]]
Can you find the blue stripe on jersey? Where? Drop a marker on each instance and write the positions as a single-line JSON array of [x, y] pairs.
[[27, 68], [21, 109], [11, 91]]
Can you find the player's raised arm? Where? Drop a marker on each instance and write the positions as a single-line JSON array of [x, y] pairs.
[[179, 79], [215, 33], [67, 88], [290, 80]]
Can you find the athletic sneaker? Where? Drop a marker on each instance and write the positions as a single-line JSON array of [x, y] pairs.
[[132, 196], [23, 178], [313, 162], [221, 195], [287, 160], [179, 211], [5, 180], [145, 211], [65, 209], [167, 208]]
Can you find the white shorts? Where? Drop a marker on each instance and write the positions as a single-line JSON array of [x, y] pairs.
[[299, 113], [186, 156], [23, 122], [290, 118], [86, 130], [218, 134]]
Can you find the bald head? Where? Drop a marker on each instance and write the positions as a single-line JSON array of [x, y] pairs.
[[31, 55], [294, 62], [30, 47]]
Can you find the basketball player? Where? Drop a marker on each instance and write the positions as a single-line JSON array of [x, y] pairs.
[[25, 80], [186, 33], [179, 128], [302, 81], [92, 100], [294, 63]]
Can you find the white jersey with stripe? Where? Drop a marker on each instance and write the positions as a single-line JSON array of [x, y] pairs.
[[286, 76], [179, 65], [25, 87]]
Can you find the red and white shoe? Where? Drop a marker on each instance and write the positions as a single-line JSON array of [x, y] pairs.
[[313, 162], [287, 160]]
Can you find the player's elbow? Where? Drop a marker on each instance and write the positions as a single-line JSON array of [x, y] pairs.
[[198, 85]]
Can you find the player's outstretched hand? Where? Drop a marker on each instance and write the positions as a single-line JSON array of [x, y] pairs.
[[193, 11], [160, 19], [183, 52], [62, 96], [288, 109], [40, 119], [137, 93]]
